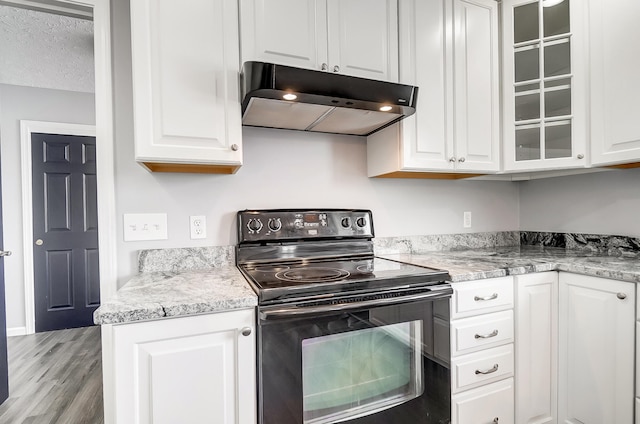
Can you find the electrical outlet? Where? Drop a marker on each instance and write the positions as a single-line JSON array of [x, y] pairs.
[[198, 226], [467, 220]]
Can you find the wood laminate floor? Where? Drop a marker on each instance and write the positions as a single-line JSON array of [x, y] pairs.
[[55, 378]]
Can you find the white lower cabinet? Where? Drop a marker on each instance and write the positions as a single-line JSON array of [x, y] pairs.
[[536, 332], [196, 369], [489, 404], [596, 350], [482, 352]]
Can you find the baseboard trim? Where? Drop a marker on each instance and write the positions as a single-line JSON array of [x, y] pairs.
[[16, 331]]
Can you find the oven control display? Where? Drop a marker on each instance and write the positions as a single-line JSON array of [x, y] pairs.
[[300, 224]]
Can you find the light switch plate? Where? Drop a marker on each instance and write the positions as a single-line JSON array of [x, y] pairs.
[[145, 226]]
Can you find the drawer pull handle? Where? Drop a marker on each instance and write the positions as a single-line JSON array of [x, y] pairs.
[[492, 297], [487, 336], [495, 420], [489, 371]]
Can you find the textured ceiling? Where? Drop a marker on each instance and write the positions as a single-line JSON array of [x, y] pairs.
[[44, 50]]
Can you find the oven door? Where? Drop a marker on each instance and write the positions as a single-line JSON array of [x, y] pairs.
[[366, 361]]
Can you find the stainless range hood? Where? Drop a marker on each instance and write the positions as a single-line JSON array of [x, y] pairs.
[[277, 96]]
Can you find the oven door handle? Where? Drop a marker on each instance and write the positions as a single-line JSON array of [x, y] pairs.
[[299, 311]]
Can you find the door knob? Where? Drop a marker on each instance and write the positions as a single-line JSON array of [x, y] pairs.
[[5, 253], [39, 242]]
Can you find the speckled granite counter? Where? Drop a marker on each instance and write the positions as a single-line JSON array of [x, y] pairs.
[[477, 264], [154, 295], [175, 282]]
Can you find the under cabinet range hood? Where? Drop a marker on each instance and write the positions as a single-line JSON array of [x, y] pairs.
[[277, 96]]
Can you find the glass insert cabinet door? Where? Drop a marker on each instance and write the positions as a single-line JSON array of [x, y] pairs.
[[543, 113]]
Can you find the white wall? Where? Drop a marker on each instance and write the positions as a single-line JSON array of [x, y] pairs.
[[602, 203], [286, 169], [34, 104]]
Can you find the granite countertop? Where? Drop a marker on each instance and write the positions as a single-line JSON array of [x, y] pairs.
[[493, 262], [154, 295]]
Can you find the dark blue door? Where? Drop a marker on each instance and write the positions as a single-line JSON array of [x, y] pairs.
[[65, 230], [4, 366]]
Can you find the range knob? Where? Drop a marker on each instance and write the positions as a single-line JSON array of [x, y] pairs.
[[361, 222], [274, 224], [346, 222], [254, 225]]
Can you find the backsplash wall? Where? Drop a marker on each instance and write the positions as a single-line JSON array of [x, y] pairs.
[[602, 203]]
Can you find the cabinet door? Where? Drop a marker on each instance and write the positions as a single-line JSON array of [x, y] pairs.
[[544, 85], [596, 361], [363, 38], [185, 83], [485, 405], [185, 370], [614, 64], [536, 348], [424, 140], [476, 85], [449, 49], [286, 32]]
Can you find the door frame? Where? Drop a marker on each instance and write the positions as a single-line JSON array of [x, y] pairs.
[[105, 161]]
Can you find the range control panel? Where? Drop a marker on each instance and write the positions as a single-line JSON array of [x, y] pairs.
[[300, 224]]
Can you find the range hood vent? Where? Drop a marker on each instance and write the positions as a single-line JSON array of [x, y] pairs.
[[277, 96]]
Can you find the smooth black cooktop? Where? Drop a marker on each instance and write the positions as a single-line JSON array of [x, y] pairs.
[[322, 278]]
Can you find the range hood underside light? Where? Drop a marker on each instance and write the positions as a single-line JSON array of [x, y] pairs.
[[310, 117], [324, 101]]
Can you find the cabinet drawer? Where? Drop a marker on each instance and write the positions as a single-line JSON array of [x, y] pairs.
[[481, 332], [480, 297], [486, 404], [482, 367]]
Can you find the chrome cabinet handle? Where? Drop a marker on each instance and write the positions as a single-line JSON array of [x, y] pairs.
[[462, 159], [487, 336], [580, 156], [324, 67], [481, 299], [5, 253], [234, 147], [336, 68], [39, 242], [621, 296], [489, 371], [495, 420], [452, 159], [246, 331]]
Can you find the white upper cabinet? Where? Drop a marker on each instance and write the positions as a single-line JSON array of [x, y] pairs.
[[352, 37], [614, 62], [449, 49], [185, 85], [544, 85], [476, 85]]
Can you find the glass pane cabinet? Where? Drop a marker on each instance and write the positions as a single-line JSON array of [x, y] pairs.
[[543, 84]]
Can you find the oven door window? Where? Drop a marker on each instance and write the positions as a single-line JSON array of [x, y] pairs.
[[353, 374]]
